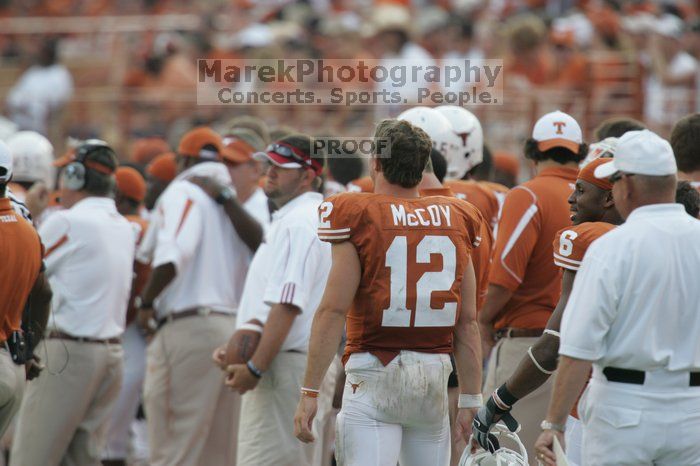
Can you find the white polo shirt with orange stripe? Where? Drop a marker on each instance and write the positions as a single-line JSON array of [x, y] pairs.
[[196, 236], [290, 267], [89, 263]]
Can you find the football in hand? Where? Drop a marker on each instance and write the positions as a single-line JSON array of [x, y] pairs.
[[243, 342]]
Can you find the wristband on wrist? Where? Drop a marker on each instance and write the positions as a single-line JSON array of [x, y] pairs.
[[310, 392], [254, 370], [504, 398], [546, 425], [225, 195], [470, 401]]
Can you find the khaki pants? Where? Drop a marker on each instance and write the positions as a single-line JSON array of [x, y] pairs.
[[529, 411], [192, 416], [64, 413], [11, 389], [266, 437]]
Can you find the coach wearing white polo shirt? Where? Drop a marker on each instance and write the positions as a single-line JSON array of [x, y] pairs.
[[89, 257], [634, 314], [283, 289], [190, 303]]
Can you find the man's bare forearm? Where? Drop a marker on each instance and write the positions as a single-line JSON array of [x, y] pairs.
[[467, 353], [36, 315], [326, 334], [570, 380], [160, 278], [528, 377], [246, 226], [276, 329]]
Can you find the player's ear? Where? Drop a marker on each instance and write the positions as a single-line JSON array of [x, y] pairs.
[[609, 201]]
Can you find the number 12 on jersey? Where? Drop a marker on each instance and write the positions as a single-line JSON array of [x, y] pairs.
[[398, 314]]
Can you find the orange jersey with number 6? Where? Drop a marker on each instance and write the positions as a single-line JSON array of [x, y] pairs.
[[413, 253]]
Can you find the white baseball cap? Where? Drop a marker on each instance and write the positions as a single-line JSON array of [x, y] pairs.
[[640, 152], [5, 163], [557, 129]]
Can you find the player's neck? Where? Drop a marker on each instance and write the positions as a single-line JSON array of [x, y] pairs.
[[382, 186], [544, 164]]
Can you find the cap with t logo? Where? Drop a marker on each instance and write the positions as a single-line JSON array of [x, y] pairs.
[[557, 129]]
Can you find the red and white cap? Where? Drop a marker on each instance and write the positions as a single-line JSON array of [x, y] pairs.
[[557, 129], [285, 155]]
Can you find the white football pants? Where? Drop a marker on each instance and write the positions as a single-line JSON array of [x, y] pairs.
[[631, 425], [396, 413]]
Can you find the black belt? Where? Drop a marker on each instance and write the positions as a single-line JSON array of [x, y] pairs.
[[199, 311], [616, 374], [65, 336]]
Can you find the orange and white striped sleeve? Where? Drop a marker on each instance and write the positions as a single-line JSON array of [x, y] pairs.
[[337, 218]]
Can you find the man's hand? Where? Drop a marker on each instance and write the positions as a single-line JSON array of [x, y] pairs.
[[544, 446], [208, 185], [240, 378], [219, 357], [33, 367], [147, 321], [306, 411], [463, 424], [486, 418]]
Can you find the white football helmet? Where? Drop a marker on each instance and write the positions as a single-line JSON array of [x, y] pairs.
[[501, 457], [605, 148], [438, 128], [33, 157], [468, 129]]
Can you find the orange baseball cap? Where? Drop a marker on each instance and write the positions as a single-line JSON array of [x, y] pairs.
[[163, 167], [236, 150], [130, 183], [587, 174], [194, 142], [143, 150]]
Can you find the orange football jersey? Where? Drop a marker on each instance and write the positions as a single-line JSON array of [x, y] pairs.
[[481, 253], [413, 254], [482, 194], [571, 243], [531, 216]]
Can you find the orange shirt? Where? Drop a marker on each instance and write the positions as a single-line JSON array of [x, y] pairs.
[[570, 245], [481, 254], [484, 195], [413, 254], [141, 271], [532, 214], [21, 252]]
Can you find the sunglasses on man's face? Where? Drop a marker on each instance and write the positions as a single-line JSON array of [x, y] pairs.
[[286, 151]]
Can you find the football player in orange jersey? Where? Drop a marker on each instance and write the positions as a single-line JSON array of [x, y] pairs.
[[593, 214], [403, 279]]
